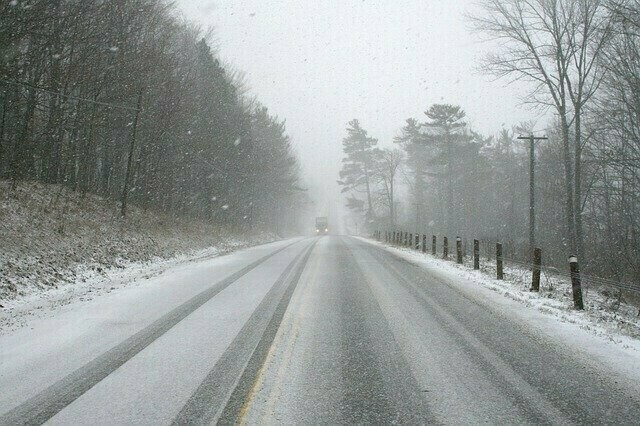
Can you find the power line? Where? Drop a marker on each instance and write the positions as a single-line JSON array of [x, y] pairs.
[[75, 98]]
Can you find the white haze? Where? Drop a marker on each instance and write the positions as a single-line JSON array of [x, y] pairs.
[[320, 64]]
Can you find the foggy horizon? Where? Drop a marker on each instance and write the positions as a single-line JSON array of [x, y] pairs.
[[318, 65]]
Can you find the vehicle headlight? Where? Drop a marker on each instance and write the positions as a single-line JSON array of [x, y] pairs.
[[326, 229]]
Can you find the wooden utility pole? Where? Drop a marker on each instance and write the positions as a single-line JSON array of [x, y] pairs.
[[132, 145], [532, 200]]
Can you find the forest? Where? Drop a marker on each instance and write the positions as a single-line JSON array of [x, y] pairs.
[[129, 101], [440, 177]]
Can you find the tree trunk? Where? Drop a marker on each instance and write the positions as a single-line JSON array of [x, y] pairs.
[[392, 213], [52, 133], [23, 160], [449, 202], [577, 193], [127, 176], [568, 173], [3, 116], [369, 202]]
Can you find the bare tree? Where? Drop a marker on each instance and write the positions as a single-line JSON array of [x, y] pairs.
[[556, 45], [70, 75]]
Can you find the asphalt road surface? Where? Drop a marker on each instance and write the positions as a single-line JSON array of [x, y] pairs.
[[328, 330]]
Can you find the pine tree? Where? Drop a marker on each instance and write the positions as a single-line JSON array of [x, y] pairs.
[[447, 132], [358, 165], [412, 141]]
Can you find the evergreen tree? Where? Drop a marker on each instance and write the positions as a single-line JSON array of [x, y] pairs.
[[359, 164], [412, 141], [446, 136]]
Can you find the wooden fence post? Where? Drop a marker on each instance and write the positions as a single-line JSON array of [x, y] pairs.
[[433, 245], [537, 262], [445, 248], [476, 254], [576, 286], [410, 241], [459, 250], [424, 243], [499, 271], [417, 245]]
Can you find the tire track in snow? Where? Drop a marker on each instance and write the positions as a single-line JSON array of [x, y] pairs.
[[47, 403], [522, 394], [221, 395]]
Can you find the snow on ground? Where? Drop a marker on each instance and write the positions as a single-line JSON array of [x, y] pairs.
[[603, 316], [58, 340], [58, 245], [92, 284]]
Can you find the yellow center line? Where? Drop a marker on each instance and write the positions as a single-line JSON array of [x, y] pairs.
[[290, 336]]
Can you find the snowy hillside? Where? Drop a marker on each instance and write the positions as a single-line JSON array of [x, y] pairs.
[[52, 237]]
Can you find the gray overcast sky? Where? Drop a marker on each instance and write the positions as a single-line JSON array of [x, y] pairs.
[[318, 64]]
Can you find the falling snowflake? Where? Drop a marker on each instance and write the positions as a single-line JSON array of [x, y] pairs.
[[237, 142], [225, 207]]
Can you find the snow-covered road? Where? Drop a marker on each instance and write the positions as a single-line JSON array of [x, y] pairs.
[[308, 330]]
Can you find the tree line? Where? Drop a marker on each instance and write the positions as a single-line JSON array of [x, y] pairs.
[[127, 100], [582, 60]]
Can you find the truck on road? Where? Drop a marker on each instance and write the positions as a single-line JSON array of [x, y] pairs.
[[322, 226]]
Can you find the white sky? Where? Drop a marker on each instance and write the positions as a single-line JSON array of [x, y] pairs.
[[319, 64]]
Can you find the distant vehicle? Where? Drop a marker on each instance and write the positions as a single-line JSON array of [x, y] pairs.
[[322, 226]]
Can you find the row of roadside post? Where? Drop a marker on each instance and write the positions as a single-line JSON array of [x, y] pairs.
[[414, 241]]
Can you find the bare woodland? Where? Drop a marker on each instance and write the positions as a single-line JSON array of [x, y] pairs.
[[581, 60], [127, 100]]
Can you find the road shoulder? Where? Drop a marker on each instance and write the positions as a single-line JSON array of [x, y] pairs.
[[617, 353]]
